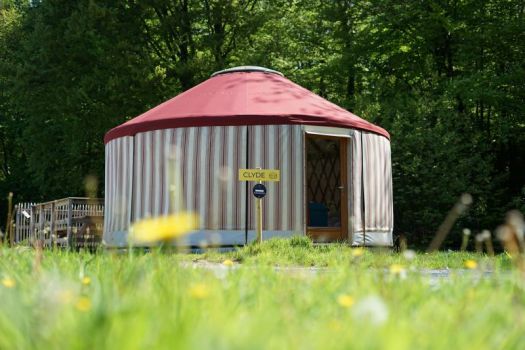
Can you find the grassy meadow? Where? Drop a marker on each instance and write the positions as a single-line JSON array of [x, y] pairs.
[[158, 299], [299, 251]]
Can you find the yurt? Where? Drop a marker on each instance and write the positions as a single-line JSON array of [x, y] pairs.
[[185, 154]]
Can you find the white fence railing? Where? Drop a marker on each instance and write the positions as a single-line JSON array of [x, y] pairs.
[[56, 222]]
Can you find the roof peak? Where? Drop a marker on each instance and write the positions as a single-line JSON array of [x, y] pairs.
[[247, 69]]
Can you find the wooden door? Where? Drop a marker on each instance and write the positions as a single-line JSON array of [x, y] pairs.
[[326, 187]]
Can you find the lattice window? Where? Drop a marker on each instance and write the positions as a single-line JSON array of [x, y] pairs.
[[324, 174]]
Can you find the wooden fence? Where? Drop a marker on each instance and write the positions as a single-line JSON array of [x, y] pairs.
[[73, 221], [22, 219]]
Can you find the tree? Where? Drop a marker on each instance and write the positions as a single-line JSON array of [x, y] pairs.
[[445, 78]]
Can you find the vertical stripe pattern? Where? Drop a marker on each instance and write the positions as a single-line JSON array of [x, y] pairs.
[[372, 156], [356, 178], [350, 185], [196, 169], [191, 169], [118, 178], [279, 147]]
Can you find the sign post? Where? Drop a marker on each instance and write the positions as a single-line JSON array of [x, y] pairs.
[[259, 190], [259, 220]]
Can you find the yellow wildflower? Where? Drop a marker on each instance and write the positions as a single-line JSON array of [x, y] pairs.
[[357, 252], [83, 304], [65, 296], [345, 300], [471, 264], [335, 325], [227, 262], [163, 228], [199, 291], [396, 269], [8, 282], [86, 281]]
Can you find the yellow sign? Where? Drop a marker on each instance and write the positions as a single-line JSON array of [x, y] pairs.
[[259, 175]]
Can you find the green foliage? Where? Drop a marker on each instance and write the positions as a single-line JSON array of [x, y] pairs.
[[444, 78], [71, 90]]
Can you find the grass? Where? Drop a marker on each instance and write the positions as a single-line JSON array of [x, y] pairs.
[[154, 300], [300, 251]]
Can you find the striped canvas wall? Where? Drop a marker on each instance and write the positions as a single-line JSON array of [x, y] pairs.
[[119, 175], [158, 172], [371, 155], [355, 178], [197, 168], [279, 147], [351, 205]]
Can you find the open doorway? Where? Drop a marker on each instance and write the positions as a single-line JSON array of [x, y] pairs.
[[326, 186]]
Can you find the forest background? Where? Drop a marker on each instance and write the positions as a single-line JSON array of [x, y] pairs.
[[446, 78]]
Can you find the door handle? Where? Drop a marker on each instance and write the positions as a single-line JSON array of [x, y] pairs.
[[341, 187]]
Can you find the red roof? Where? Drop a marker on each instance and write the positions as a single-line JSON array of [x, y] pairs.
[[243, 97]]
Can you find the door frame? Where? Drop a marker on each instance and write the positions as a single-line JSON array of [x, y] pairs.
[[329, 234]]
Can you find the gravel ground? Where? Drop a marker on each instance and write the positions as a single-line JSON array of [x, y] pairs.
[[434, 275]]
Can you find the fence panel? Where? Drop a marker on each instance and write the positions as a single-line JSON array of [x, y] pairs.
[[55, 222]]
